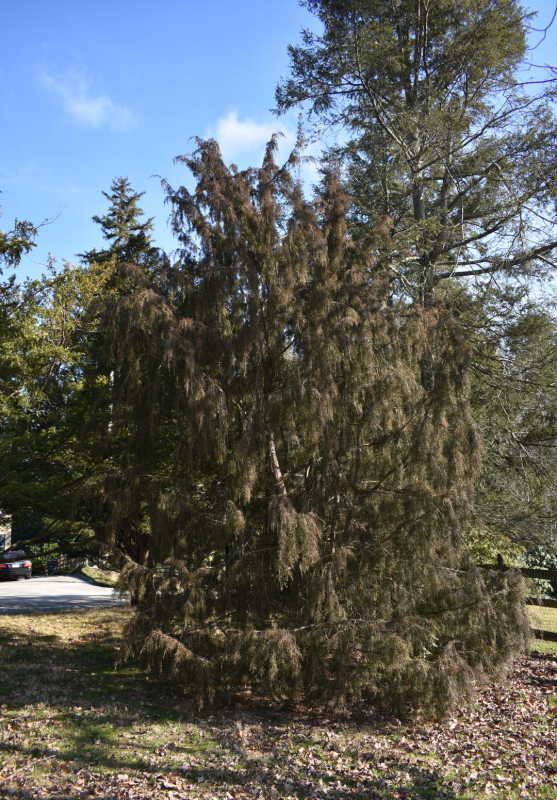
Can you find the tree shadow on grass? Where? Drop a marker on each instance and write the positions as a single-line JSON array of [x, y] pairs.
[[72, 713]]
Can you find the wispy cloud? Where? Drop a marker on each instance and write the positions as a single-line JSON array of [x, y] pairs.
[[85, 106]]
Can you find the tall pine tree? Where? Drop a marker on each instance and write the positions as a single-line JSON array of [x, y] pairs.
[[443, 136]]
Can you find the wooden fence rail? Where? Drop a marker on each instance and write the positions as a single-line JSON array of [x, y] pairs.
[[544, 602], [528, 572], [546, 636]]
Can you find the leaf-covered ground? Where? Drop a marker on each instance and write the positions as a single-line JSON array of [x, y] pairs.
[[72, 726]]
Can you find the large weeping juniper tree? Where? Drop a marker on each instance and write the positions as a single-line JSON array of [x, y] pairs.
[[307, 493]]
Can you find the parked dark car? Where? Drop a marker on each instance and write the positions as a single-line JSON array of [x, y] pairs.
[[14, 565]]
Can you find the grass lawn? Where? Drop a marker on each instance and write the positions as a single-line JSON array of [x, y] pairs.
[[72, 725], [544, 619], [102, 577]]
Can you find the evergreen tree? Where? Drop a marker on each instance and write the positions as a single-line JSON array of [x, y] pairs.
[[58, 447], [61, 455], [311, 503], [120, 513], [443, 137], [452, 140], [44, 410], [128, 236], [13, 245], [513, 336], [16, 243]]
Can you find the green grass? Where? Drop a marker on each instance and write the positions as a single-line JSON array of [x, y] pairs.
[[62, 692], [101, 577], [543, 619]]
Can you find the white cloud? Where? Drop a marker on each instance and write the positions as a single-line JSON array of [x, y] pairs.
[[243, 142], [83, 105], [245, 137]]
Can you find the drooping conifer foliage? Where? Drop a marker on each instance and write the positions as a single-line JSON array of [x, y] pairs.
[[308, 490]]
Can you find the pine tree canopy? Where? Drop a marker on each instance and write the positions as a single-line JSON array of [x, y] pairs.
[[307, 493], [513, 336], [56, 456], [16, 243], [447, 132], [13, 245], [46, 361], [129, 237]]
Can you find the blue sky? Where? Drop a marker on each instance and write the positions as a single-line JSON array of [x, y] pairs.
[[90, 91]]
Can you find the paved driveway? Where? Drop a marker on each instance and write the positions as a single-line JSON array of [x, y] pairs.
[[53, 594]]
